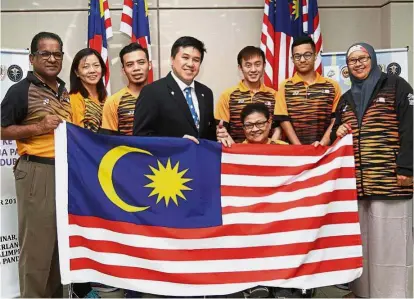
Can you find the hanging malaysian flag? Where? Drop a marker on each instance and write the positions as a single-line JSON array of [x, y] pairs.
[[168, 216], [135, 23], [99, 31], [283, 20]]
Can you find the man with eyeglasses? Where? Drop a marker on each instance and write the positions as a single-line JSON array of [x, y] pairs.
[[257, 123], [30, 111], [306, 102], [251, 63]]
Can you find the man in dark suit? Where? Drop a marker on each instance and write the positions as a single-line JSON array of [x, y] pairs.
[[178, 106]]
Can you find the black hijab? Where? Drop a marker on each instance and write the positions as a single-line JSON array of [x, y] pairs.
[[362, 90]]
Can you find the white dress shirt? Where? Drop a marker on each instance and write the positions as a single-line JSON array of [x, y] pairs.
[[183, 86]]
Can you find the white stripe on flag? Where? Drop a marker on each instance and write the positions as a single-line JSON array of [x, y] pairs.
[[127, 10], [280, 197], [61, 180], [266, 160], [282, 58], [214, 266], [295, 213], [104, 54], [126, 28], [292, 237], [290, 62], [276, 181], [109, 32]]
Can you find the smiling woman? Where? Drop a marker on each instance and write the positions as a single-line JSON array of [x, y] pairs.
[[87, 90], [87, 97], [378, 110]]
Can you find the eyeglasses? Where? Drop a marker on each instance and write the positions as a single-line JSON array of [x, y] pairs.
[[362, 59], [46, 54], [307, 56], [259, 125]]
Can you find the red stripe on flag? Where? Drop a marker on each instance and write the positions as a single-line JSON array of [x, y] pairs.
[[96, 43], [277, 59], [108, 23], [217, 278], [283, 150], [215, 253], [105, 5], [211, 232], [258, 170], [343, 173], [126, 19], [321, 199], [129, 3]]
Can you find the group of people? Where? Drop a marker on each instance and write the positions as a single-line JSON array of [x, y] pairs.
[[307, 109]]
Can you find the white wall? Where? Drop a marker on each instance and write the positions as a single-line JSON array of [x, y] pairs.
[[224, 25]]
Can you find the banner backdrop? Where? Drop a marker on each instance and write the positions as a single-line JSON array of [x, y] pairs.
[[13, 68], [392, 61]]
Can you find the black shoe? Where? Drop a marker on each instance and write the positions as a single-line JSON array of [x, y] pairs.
[[292, 293], [343, 286], [257, 292]]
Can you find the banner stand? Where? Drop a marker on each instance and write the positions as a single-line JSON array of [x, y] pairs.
[[14, 67]]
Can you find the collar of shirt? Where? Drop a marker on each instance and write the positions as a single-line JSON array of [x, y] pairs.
[[243, 87], [31, 77], [297, 79], [269, 141], [181, 84], [127, 90]]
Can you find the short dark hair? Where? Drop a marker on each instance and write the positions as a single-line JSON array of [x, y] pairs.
[[249, 52], [44, 35], [188, 41], [76, 83], [303, 40], [132, 47], [252, 108]]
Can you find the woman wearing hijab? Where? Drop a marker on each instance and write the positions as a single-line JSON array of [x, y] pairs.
[[378, 111]]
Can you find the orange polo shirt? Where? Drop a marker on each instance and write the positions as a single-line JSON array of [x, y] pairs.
[[87, 112], [310, 108], [233, 100]]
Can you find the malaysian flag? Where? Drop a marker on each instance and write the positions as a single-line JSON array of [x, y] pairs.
[[99, 31], [167, 216], [135, 23], [283, 20]]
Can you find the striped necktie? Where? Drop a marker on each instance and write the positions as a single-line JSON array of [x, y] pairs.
[[190, 104]]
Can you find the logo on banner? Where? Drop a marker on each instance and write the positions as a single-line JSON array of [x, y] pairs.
[[344, 72], [3, 71], [394, 69], [332, 72], [410, 98], [15, 73], [382, 67]]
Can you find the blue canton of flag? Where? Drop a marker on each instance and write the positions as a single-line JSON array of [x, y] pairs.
[[170, 182]]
